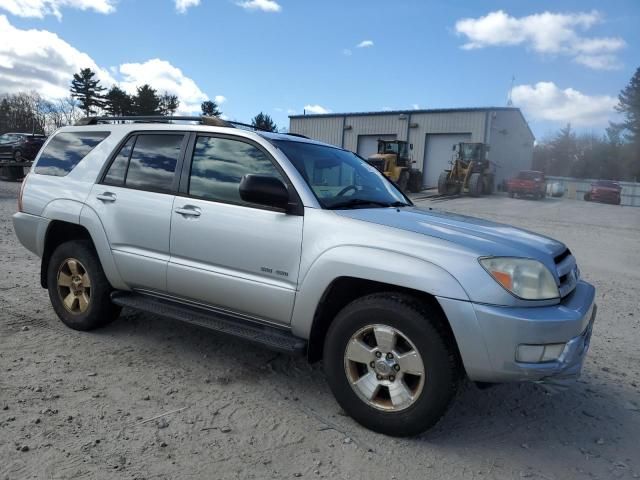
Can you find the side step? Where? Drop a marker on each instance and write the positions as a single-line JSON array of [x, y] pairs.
[[271, 337]]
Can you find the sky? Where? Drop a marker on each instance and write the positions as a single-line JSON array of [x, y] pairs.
[[566, 59]]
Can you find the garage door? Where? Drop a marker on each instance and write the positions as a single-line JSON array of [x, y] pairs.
[[437, 155], [368, 144]]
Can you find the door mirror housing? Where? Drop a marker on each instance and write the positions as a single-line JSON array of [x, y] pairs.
[[264, 190]]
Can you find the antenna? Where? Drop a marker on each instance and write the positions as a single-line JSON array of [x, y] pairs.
[[509, 100]]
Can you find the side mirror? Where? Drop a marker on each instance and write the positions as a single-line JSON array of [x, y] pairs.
[[264, 190]]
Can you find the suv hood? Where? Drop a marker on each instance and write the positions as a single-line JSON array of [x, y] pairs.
[[484, 237]]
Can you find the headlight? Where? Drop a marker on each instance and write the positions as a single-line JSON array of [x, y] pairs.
[[525, 278]]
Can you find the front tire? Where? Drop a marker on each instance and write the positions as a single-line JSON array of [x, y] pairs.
[[390, 364], [475, 185], [78, 288]]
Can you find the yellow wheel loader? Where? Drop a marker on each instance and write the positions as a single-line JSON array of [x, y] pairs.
[[471, 171], [393, 161]]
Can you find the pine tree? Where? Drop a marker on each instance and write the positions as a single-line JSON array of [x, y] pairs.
[[169, 104], [146, 101], [263, 121], [629, 106], [210, 109], [87, 90], [117, 102]]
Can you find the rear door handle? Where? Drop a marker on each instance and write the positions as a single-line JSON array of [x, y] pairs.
[[106, 197], [188, 211]]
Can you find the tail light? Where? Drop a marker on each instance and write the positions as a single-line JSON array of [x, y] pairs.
[[24, 182]]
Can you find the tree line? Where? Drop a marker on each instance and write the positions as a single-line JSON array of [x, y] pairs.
[[30, 112], [612, 156]]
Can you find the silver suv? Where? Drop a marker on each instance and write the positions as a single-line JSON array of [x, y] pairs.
[[304, 248]]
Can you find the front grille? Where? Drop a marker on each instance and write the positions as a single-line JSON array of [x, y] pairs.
[[567, 271]]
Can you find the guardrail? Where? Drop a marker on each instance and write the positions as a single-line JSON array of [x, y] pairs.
[[575, 188]]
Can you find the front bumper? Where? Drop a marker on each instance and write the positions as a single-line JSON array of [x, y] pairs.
[[503, 329]]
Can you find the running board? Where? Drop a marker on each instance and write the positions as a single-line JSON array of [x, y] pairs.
[[271, 337]]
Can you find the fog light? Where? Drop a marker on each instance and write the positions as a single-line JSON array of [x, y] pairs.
[[539, 353], [552, 351]]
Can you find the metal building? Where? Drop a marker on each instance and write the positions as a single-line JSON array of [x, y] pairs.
[[431, 135]]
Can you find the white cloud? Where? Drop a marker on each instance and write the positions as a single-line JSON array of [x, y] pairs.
[[347, 52], [40, 60], [365, 44], [183, 5], [545, 101], [415, 106], [163, 76], [263, 5], [545, 33], [316, 109], [41, 8]]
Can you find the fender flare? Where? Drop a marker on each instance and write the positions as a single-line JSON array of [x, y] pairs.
[[367, 263]]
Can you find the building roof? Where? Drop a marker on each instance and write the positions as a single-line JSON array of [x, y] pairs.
[[398, 112], [411, 111]]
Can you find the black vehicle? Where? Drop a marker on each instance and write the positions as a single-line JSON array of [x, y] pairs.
[[20, 147]]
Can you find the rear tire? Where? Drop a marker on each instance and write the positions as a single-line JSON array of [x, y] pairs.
[[78, 288], [512, 194], [391, 400], [587, 197], [475, 185]]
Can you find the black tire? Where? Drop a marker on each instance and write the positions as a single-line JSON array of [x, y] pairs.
[[424, 328], [100, 311], [587, 197], [489, 185], [475, 185], [403, 181], [512, 194], [444, 187]]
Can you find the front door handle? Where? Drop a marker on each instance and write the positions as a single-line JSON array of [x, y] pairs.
[[106, 197], [188, 211]]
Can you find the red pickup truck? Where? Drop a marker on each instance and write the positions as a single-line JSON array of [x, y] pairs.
[[527, 182]]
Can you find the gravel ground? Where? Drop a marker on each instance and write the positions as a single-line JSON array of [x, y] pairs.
[[89, 405]]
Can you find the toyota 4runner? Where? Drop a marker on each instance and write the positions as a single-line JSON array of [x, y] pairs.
[[304, 248]]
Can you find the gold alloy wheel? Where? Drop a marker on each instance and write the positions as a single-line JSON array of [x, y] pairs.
[[384, 368], [74, 286]]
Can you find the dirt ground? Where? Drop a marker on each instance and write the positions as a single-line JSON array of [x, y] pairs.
[[82, 405]]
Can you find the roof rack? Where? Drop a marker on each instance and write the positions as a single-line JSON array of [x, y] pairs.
[[202, 119]]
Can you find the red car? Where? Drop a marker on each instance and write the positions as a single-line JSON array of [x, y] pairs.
[[605, 191], [527, 182]]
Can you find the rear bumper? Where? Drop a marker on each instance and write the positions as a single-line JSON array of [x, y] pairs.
[[503, 329], [31, 231]]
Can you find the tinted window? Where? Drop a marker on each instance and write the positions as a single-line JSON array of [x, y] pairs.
[[118, 168], [219, 164], [65, 151], [153, 162]]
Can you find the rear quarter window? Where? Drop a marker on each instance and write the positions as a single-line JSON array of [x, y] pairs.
[[66, 150]]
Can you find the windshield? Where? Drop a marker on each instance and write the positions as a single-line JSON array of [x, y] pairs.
[[7, 138], [339, 178]]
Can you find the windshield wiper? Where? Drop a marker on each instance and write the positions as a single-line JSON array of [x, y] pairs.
[[361, 202]]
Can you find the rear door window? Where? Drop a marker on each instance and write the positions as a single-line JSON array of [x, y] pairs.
[[153, 162], [66, 150]]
